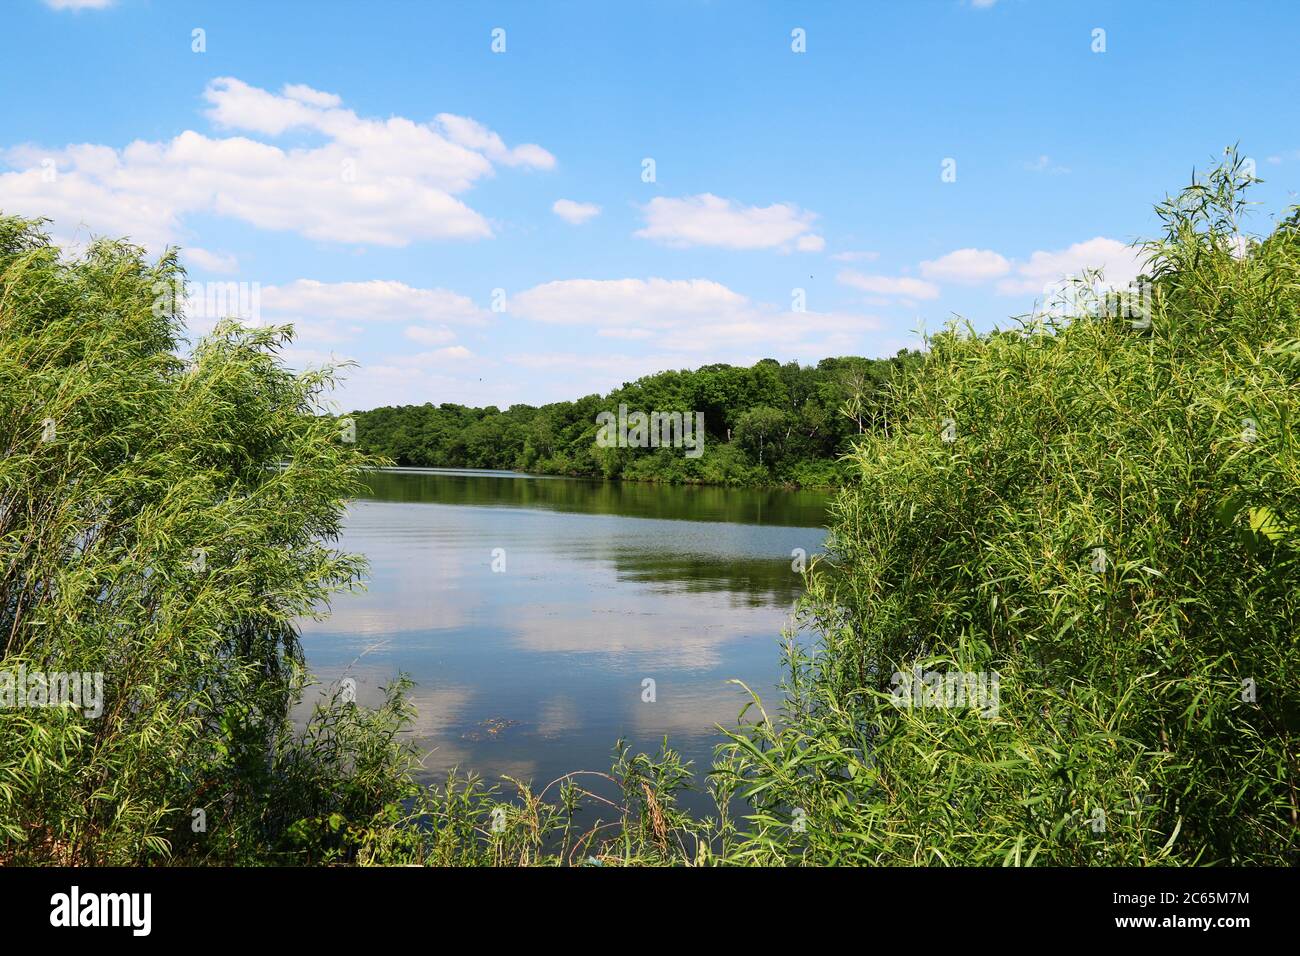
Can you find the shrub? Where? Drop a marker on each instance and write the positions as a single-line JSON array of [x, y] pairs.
[[1111, 528], [162, 523]]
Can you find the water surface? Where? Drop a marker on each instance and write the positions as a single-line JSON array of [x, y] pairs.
[[537, 667]]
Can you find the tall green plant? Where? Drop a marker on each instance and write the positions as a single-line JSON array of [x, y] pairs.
[[162, 522], [1101, 509]]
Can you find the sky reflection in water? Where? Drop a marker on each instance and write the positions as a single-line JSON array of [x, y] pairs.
[[538, 670]]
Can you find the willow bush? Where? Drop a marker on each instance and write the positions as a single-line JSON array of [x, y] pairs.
[[162, 522], [165, 517], [1100, 508]]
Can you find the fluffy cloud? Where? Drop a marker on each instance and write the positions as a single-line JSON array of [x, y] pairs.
[[643, 303], [206, 261], [686, 315], [900, 286], [575, 212], [453, 353], [708, 220], [475, 136], [1044, 272], [384, 182], [966, 265], [328, 315], [377, 300]]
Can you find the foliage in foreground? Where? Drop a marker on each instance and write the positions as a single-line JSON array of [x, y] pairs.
[[1112, 529], [1099, 509], [162, 523]]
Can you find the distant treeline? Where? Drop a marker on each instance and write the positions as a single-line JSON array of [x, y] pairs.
[[770, 423]]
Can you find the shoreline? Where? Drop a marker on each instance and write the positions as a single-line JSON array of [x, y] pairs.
[[503, 473]]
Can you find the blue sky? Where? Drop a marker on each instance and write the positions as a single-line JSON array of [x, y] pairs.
[[378, 171]]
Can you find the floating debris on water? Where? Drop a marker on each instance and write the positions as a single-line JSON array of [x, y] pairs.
[[492, 727]]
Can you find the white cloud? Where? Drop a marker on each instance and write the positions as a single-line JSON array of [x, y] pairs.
[[645, 303], [904, 286], [453, 353], [575, 212], [376, 300], [207, 261], [78, 202], [966, 265], [329, 315], [384, 182], [708, 220], [233, 104], [305, 94], [1044, 272], [686, 315], [474, 135], [427, 336]]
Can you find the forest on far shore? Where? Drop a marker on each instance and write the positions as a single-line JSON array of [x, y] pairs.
[[766, 424]]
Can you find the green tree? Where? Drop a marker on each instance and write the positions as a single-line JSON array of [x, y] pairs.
[[759, 427], [559, 438], [163, 522]]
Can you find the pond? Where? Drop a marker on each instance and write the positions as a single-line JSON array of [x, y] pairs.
[[544, 618]]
